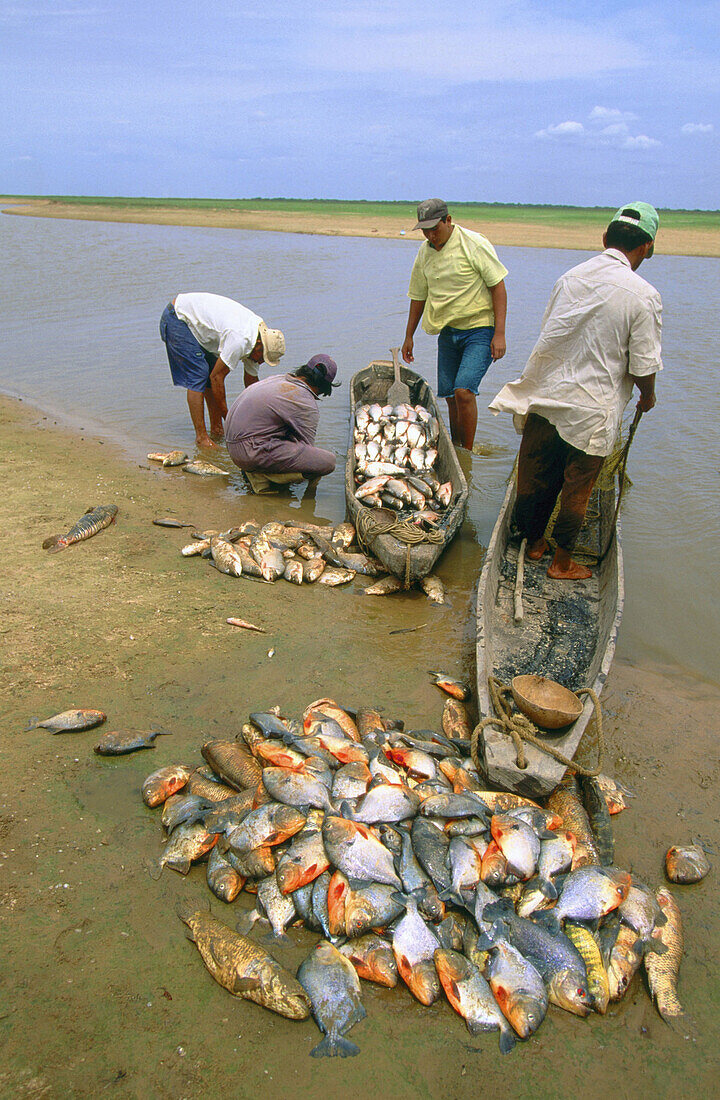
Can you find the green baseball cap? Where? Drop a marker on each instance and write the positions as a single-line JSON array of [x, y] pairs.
[[640, 214]]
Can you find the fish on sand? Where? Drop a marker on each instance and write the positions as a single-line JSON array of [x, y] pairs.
[[94, 520]]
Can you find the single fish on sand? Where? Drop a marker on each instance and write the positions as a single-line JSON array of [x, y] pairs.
[[70, 721], [94, 520], [244, 968], [120, 742], [205, 469]]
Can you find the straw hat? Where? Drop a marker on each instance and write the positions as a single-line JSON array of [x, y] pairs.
[[273, 343]]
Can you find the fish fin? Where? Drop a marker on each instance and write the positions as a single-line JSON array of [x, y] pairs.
[[245, 985], [185, 912], [545, 885], [660, 920], [335, 1047], [507, 1040], [346, 810], [444, 932], [33, 724], [358, 883], [547, 919], [650, 947], [499, 909], [247, 920], [546, 834], [487, 940], [153, 869], [277, 938]]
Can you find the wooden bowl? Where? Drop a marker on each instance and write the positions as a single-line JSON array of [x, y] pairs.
[[545, 702]]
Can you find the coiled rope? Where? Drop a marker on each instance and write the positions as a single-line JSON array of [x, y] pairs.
[[521, 729], [368, 526]]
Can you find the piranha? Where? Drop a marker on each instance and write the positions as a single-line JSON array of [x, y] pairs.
[[121, 742], [70, 721]]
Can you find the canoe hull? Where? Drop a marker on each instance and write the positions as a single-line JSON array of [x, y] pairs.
[[569, 634]]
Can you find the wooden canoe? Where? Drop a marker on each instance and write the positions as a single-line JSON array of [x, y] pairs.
[[568, 634], [371, 385]]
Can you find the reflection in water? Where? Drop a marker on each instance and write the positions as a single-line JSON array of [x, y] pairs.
[[82, 302]]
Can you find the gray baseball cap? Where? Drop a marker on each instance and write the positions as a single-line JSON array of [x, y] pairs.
[[430, 212]]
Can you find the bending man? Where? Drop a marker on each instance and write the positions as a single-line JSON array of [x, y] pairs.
[[271, 427], [206, 336], [457, 287], [600, 337]]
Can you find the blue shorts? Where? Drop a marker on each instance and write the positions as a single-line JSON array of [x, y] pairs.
[[190, 364], [463, 358]]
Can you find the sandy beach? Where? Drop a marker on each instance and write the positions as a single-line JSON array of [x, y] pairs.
[[528, 234], [101, 992]]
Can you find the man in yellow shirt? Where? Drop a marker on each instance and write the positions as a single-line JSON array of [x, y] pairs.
[[457, 287]]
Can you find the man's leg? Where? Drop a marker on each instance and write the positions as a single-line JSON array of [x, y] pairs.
[[466, 413], [475, 358], [196, 405], [581, 472], [448, 361], [216, 422], [541, 463]]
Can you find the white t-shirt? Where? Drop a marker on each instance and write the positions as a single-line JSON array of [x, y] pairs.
[[601, 326], [220, 326]]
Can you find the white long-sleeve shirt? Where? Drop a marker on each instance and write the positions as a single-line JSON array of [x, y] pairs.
[[602, 326]]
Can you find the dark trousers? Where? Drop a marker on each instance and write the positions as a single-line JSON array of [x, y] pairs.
[[547, 465]]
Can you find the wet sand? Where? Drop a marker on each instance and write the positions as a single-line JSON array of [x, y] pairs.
[[527, 234], [101, 992]]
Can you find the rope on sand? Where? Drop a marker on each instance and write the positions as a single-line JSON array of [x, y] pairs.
[[521, 729]]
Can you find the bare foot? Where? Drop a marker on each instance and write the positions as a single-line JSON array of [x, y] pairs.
[[563, 568], [536, 549], [205, 441]]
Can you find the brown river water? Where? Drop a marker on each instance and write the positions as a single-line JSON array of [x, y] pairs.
[[100, 993]]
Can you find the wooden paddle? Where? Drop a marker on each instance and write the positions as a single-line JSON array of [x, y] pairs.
[[398, 394]]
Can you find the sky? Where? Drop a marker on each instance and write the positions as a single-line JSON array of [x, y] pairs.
[[523, 101]]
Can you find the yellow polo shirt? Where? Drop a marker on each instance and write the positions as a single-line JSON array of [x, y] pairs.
[[455, 281]]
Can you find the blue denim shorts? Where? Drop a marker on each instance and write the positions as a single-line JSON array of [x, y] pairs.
[[190, 364], [463, 358]]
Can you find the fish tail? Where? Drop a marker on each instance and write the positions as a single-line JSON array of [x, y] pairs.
[[335, 1047], [507, 1040], [185, 912]]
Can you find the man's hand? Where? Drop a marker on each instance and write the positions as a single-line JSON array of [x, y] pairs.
[[646, 385], [407, 350], [647, 402], [498, 346]]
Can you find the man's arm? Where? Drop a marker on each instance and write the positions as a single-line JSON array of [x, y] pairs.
[[217, 385], [646, 384], [498, 293], [414, 315]]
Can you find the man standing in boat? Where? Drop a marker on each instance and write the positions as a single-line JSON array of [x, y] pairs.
[[457, 287], [600, 336], [206, 336]]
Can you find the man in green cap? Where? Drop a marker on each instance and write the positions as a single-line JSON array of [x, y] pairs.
[[600, 337]]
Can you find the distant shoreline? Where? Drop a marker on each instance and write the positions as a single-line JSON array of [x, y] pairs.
[[688, 234]]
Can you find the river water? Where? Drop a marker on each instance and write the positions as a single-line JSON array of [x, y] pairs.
[[81, 305]]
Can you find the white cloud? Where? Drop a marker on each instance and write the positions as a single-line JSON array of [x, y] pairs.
[[697, 128], [605, 126], [611, 115], [562, 129], [640, 141]]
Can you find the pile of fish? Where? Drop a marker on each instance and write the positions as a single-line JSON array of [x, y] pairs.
[[384, 842], [395, 452], [178, 458], [301, 553]]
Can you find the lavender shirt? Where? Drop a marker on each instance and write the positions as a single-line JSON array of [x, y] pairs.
[[278, 407]]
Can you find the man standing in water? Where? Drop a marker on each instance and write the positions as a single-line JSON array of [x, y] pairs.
[[271, 427], [206, 336], [600, 337], [457, 287]]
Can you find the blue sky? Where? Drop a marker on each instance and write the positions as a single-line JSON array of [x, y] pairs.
[[524, 101]]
